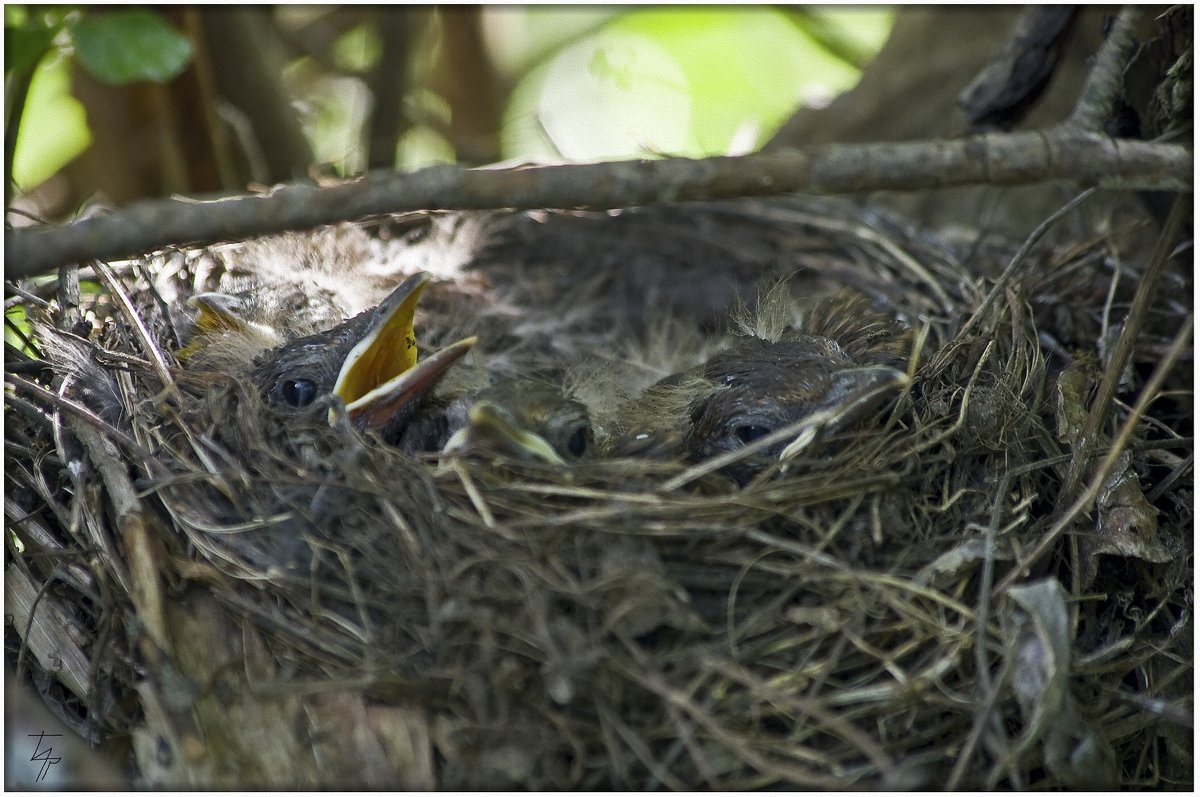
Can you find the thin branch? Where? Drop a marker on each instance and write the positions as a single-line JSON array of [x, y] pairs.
[[1103, 81], [248, 75], [999, 159], [1012, 82], [389, 81], [77, 411]]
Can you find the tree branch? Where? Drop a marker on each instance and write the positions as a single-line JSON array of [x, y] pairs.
[[1099, 91], [1006, 88], [1063, 153]]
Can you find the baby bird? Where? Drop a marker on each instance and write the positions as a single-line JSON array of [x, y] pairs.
[[275, 289], [369, 362], [281, 314], [842, 363], [521, 419]]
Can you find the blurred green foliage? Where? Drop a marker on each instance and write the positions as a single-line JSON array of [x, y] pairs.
[[853, 33], [582, 82], [26, 38], [17, 330], [113, 46], [126, 46], [694, 81]]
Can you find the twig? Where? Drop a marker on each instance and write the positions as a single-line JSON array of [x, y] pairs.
[[1103, 81], [485, 514], [68, 297], [78, 411], [1012, 82], [1063, 153], [157, 360]]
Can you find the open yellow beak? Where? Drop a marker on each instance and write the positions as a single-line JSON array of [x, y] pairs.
[[389, 347], [387, 404], [381, 380]]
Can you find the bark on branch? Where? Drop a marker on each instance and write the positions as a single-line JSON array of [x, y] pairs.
[[1104, 79], [1066, 153]]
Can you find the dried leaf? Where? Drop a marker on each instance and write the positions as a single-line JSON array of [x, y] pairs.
[[1070, 415], [1126, 523], [1073, 750]]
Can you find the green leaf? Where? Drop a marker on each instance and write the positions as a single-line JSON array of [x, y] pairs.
[[609, 95], [15, 15], [53, 125], [29, 36], [748, 67], [15, 317], [520, 36], [127, 46], [358, 49]]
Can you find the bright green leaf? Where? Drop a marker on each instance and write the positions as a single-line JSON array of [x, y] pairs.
[[517, 36], [611, 95], [53, 125], [15, 14], [747, 66], [422, 146], [127, 46]]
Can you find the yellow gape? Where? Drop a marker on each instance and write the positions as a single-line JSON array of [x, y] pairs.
[[388, 351]]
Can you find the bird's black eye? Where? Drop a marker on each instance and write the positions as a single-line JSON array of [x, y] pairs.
[[577, 442], [298, 392], [750, 432]]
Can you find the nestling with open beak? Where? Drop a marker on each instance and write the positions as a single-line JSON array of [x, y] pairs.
[[369, 362]]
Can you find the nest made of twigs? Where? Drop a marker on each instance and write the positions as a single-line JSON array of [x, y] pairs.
[[254, 601]]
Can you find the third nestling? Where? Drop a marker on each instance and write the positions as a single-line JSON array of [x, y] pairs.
[[521, 419], [842, 361]]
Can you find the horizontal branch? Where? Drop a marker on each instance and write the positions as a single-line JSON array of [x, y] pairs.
[[1059, 154]]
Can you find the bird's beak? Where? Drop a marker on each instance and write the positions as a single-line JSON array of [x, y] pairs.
[[379, 407], [856, 392], [381, 376], [388, 346], [492, 426]]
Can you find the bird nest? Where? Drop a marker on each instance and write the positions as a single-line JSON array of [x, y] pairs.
[[986, 586]]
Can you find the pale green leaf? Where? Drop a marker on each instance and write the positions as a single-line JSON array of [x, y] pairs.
[[53, 125]]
